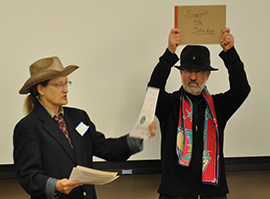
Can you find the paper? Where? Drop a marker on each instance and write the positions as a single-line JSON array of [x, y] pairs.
[[147, 114], [200, 24], [92, 176]]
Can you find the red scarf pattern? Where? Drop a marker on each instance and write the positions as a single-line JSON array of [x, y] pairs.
[[210, 164]]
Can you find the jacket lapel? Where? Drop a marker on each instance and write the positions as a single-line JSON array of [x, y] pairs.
[[52, 128], [74, 135]]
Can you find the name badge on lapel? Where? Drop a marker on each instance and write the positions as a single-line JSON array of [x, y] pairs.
[[82, 128]]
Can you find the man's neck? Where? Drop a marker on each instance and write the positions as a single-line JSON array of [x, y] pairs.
[[194, 98]]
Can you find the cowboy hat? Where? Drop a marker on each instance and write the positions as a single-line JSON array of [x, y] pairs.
[[195, 57], [45, 69]]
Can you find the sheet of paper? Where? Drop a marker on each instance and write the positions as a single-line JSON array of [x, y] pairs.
[[147, 114], [92, 176], [200, 24]]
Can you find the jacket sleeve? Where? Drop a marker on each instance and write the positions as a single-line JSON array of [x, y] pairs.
[[159, 78], [27, 160], [231, 100], [111, 149]]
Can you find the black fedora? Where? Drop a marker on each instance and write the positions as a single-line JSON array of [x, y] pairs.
[[195, 57]]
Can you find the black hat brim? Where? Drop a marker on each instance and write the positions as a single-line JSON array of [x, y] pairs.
[[197, 66]]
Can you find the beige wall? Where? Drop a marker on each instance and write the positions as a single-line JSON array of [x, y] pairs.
[[117, 44]]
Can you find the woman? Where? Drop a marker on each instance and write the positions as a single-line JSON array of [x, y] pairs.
[[53, 139]]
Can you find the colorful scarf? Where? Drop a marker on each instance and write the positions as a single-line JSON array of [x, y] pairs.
[[210, 164]]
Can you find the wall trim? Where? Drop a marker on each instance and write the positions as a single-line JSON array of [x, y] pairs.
[[154, 166], [247, 163], [7, 171]]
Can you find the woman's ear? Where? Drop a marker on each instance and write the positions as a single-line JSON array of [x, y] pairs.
[[40, 89]]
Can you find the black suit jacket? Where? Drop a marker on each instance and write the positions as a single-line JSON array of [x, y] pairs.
[[41, 150]]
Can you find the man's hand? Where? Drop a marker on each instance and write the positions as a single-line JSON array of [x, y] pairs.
[[174, 40], [65, 186], [227, 40], [152, 129]]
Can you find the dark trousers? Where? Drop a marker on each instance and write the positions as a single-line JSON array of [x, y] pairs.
[[169, 197]]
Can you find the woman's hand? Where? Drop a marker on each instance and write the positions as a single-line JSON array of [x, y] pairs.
[[65, 186], [153, 129]]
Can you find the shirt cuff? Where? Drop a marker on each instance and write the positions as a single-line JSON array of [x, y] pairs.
[[50, 189], [135, 144]]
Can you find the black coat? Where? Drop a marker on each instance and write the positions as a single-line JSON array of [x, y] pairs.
[[180, 181], [41, 150]]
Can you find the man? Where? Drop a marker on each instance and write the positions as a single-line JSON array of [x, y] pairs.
[[53, 138], [192, 121]]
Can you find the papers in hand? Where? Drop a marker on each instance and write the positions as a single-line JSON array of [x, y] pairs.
[[92, 176], [147, 114]]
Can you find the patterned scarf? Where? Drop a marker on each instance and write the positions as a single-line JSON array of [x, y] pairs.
[[210, 164]]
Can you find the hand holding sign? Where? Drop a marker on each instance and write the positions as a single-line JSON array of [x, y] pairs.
[[174, 40], [227, 40]]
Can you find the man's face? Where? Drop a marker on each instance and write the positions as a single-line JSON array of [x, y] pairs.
[[194, 80]]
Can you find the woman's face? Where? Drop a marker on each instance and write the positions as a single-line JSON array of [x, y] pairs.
[[54, 94]]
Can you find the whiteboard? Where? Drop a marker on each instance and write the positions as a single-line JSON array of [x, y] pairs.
[[117, 44]]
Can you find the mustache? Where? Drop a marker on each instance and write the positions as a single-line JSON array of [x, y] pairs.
[[193, 81]]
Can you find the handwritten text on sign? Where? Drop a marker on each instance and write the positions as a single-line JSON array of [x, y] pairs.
[[200, 24]]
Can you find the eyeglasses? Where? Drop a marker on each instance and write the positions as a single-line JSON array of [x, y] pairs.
[[197, 72], [61, 85]]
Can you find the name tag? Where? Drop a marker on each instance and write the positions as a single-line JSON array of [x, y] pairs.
[[82, 128]]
